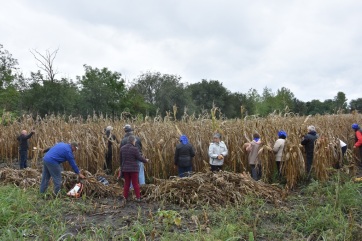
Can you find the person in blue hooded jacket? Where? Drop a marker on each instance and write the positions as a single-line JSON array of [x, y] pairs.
[[56, 155], [308, 142], [183, 156]]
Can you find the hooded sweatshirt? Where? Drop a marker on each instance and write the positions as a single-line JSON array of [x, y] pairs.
[[253, 154]]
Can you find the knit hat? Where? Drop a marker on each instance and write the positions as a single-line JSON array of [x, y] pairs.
[[217, 135], [127, 128], [184, 140], [282, 133], [311, 128], [355, 126], [75, 144], [109, 128]]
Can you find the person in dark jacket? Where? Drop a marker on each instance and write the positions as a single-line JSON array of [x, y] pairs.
[[129, 158], [23, 147], [111, 138], [56, 155], [308, 142], [129, 131], [183, 156]]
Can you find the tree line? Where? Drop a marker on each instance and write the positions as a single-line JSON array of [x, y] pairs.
[[103, 91]]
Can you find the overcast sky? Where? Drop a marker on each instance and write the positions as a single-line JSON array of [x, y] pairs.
[[313, 48]]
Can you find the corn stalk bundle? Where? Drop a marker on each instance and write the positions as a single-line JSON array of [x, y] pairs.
[[293, 165], [267, 158], [216, 189], [91, 186], [23, 178], [326, 155]]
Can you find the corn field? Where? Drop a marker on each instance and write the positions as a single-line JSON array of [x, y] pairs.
[[160, 135]]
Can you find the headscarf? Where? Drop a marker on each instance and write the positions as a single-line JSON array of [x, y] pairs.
[[355, 126], [282, 133], [184, 140]]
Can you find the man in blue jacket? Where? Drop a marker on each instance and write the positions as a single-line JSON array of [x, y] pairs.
[[56, 155]]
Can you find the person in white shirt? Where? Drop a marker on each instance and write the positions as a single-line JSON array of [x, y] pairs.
[[217, 152]]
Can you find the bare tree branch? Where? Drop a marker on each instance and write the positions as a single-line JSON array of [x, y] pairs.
[[45, 62]]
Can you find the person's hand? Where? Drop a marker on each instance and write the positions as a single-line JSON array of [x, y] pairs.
[[220, 157], [81, 176], [148, 160], [354, 147]]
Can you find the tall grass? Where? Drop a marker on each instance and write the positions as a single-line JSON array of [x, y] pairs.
[[329, 210]]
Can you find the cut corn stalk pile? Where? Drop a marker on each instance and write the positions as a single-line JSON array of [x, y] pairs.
[[216, 189], [92, 187], [31, 178], [23, 178]]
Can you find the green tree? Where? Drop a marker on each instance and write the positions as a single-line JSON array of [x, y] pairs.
[[356, 105], [266, 105], [7, 68], [284, 98], [299, 107], [253, 99], [340, 101], [9, 97], [102, 91], [206, 94], [315, 107], [49, 96], [163, 92]]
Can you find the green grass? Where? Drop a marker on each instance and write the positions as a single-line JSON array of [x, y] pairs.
[[327, 211]]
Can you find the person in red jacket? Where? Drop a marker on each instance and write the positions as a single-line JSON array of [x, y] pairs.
[[358, 139], [130, 168]]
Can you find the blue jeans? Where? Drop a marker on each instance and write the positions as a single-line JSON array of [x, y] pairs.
[[256, 172], [53, 170], [23, 158], [141, 174], [184, 171]]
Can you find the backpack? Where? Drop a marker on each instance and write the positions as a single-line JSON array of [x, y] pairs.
[[76, 191]]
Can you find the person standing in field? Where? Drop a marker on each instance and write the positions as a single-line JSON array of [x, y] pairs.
[[357, 139], [129, 131], [308, 142], [255, 164], [278, 149], [343, 146], [129, 158], [183, 156], [111, 138], [52, 160], [217, 152], [23, 147]]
